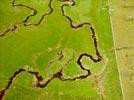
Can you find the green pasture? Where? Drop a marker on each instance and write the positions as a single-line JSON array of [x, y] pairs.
[[36, 46]]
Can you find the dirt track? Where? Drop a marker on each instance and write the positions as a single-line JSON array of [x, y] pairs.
[[122, 15]]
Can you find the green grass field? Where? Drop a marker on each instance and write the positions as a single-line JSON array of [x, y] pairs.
[[38, 37]]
